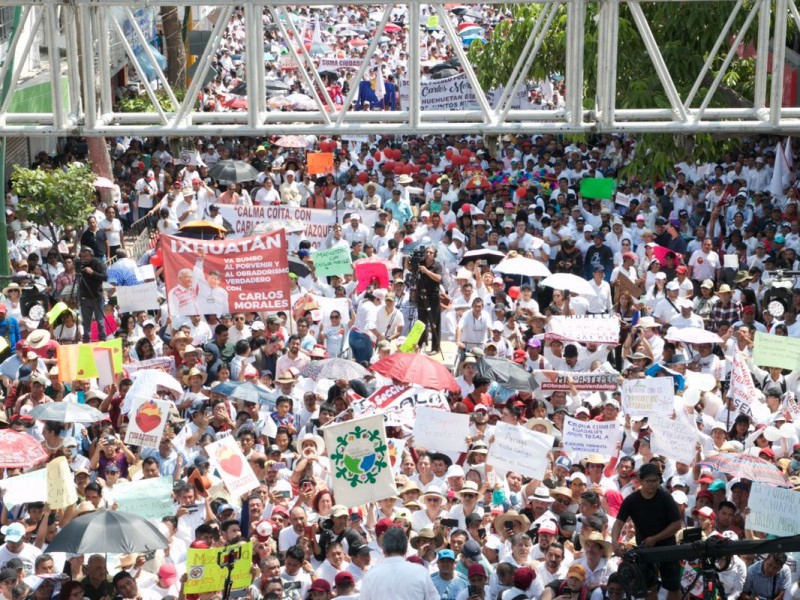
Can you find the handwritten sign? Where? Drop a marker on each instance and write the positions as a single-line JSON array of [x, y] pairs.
[[320, 163], [776, 351], [594, 381], [773, 510], [226, 457], [441, 430], [591, 437], [147, 420], [149, 498], [61, 491], [336, 261], [741, 389], [28, 487], [520, 450], [133, 298], [598, 329], [648, 397], [673, 438], [205, 574]]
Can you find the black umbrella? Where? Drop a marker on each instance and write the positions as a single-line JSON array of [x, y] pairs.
[[298, 267], [331, 74], [277, 84], [492, 257], [440, 67], [507, 373], [444, 73], [233, 170], [108, 532]]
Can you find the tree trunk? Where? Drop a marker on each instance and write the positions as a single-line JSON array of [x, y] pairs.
[[176, 51]]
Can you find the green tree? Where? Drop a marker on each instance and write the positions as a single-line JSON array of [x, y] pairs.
[[56, 199], [685, 33]]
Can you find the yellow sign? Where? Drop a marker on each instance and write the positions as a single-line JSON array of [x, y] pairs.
[[413, 338], [61, 491], [205, 574]]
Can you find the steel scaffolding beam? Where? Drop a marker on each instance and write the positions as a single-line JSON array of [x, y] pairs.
[[86, 26]]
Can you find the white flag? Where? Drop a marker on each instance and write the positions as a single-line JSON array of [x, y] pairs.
[[380, 86], [778, 173], [360, 461]]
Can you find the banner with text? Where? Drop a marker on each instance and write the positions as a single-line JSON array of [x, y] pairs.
[[773, 510], [339, 63], [149, 498], [205, 575], [591, 437], [226, 276], [455, 93], [147, 420], [598, 329], [400, 403], [595, 381], [648, 397], [520, 450], [318, 222], [741, 389]]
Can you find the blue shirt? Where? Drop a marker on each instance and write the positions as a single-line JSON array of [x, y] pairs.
[[448, 590], [758, 584]]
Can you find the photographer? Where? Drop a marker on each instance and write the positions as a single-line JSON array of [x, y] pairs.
[[91, 275], [430, 313], [333, 530]]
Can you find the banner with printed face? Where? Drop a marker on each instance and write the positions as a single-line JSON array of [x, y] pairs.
[[597, 329], [226, 276], [317, 223]]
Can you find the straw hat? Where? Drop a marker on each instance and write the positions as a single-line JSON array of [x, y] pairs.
[[597, 538], [513, 517], [194, 371]]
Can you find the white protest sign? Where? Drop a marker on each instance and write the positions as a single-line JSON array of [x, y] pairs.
[[520, 450], [622, 199], [226, 457], [145, 273], [133, 298], [104, 360], [773, 510], [147, 420], [441, 430], [149, 498], [730, 261], [648, 397], [598, 329], [61, 491], [742, 389], [28, 487], [590, 437], [673, 438]]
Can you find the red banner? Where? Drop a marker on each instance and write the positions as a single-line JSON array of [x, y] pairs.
[[226, 276]]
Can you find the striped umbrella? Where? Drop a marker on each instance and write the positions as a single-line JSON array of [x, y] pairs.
[[747, 466]]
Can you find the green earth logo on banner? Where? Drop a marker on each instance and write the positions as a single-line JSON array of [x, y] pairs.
[[360, 456]]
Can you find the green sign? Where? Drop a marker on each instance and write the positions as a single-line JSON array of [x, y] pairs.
[[592, 187], [335, 261]]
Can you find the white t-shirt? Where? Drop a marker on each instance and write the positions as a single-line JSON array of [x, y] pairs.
[[27, 555], [113, 231]]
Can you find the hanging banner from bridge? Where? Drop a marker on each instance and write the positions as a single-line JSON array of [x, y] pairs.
[[455, 93]]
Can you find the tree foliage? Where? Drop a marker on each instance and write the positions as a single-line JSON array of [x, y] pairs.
[[54, 199], [142, 103], [685, 33]]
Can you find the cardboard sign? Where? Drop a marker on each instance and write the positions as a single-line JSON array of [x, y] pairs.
[[441, 430], [648, 397], [625, 284], [591, 437], [147, 420], [226, 276], [227, 459], [520, 450], [61, 491], [320, 163], [336, 261], [133, 298], [205, 574], [149, 498]]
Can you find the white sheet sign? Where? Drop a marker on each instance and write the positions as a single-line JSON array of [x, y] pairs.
[[648, 397], [133, 298], [773, 510], [673, 438], [598, 329], [441, 430], [589, 437], [520, 450]]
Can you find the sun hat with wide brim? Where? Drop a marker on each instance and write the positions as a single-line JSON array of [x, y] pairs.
[[11, 286], [511, 516], [548, 426], [597, 538], [427, 533], [193, 372]]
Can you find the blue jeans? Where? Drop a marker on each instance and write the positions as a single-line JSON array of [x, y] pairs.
[[361, 346]]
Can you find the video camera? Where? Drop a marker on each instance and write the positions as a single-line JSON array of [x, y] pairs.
[[416, 258]]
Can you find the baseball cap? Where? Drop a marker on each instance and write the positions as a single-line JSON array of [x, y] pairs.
[[446, 554], [471, 550], [343, 578], [13, 533]]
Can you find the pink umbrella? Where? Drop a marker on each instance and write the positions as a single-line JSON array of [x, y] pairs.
[[103, 183], [392, 28], [19, 450], [358, 43], [292, 141]]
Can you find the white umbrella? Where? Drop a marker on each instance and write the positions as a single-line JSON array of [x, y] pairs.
[[692, 335], [568, 281], [519, 265]]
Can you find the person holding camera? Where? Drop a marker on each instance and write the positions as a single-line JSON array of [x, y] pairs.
[[429, 308], [91, 275], [111, 449]]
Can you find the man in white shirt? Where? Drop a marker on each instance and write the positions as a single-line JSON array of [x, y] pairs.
[[600, 303], [686, 318], [705, 263], [394, 577]]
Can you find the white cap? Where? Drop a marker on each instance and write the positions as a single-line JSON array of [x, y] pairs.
[[454, 471], [680, 497], [673, 286], [497, 326], [588, 229]]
